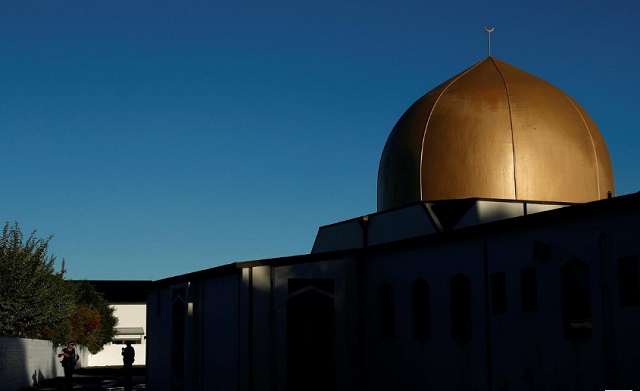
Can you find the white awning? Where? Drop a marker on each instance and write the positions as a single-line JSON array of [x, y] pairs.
[[124, 331]]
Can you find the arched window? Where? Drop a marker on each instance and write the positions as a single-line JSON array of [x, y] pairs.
[[387, 312], [628, 281], [311, 335], [178, 318], [576, 300], [421, 310], [460, 296]]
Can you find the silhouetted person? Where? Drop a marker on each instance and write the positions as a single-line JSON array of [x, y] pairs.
[[128, 357], [69, 360]]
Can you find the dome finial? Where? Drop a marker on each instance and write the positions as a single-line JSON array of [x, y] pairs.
[[489, 31]]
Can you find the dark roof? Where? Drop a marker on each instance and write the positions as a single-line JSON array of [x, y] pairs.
[[122, 291], [574, 211]]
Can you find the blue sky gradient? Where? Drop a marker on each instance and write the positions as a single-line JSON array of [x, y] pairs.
[[155, 138]]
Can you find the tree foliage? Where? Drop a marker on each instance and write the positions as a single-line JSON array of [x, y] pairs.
[[33, 297], [92, 322], [37, 302]]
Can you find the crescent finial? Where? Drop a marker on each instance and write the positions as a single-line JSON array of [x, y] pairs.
[[489, 31]]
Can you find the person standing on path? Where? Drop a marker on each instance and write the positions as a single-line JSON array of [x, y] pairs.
[[69, 360], [128, 357]]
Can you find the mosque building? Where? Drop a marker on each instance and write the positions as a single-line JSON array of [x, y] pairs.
[[499, 259]]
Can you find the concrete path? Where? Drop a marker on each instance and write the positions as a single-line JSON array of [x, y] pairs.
[[96, 378]]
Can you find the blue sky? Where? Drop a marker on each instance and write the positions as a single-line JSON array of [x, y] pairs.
[[155, 138]]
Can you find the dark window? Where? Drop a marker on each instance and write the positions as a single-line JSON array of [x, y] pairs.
[[499, 293], [628, 282], [576, 300], [460, 294], [387, 315], [421, 310], [529, 290]]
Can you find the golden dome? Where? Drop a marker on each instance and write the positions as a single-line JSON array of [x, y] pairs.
[[494, 131]]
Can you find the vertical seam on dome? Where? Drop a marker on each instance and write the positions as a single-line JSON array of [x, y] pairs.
[[426, 125], [513, 141], [593, 145]]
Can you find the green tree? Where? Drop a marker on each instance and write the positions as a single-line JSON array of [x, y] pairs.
[[34, 299], [37, 302], [92, 322]]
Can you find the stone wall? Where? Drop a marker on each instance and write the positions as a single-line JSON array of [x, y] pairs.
[[26, 362]]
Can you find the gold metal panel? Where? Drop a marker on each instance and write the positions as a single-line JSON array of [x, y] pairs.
[[399, 168], [554, 150], [494, 131], [605, 169], [467, 147]]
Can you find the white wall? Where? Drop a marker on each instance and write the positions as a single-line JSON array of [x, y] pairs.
[[26, 362], [516, 349], [442, 363], [129, 315], [111, 355], [220, 333], [159, 338]]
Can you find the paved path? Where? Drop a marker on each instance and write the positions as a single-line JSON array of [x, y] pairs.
[[96, 378]]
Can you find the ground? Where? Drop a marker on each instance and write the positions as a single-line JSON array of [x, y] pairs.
[[96, 378]]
